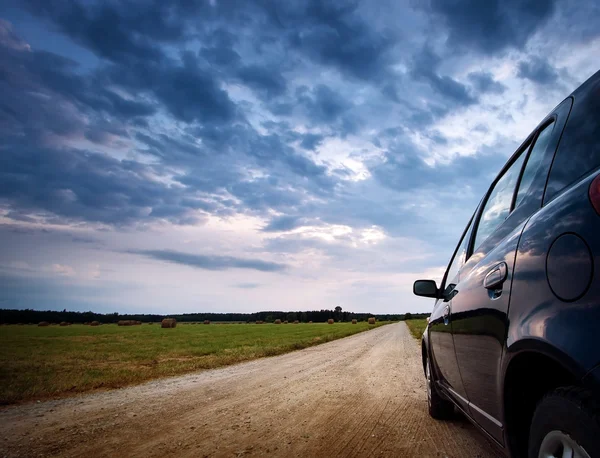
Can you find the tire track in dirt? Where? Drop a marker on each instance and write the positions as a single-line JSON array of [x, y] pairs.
[[359, 396]]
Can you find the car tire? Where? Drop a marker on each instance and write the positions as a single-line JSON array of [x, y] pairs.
[[439, 408], [566, 417]]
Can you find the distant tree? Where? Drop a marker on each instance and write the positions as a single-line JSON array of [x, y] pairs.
[[408, 316], [338, 313]]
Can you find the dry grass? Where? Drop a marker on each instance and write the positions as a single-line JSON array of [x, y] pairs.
[[47, 362], [417, 327]]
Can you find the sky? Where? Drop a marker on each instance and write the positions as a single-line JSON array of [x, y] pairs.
[[236, 156]]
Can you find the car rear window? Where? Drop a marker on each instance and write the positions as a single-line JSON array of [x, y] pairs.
[[579, 149]]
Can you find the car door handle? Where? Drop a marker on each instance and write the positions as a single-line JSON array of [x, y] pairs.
[[496, 276]]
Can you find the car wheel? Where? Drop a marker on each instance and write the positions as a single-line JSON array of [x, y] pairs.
[[439, 408], [566, 423]]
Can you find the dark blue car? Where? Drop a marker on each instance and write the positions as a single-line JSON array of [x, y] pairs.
[[514, 337]]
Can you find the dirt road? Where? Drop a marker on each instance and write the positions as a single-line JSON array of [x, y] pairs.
[[359, 396]]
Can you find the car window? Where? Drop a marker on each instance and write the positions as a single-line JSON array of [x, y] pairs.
[[534, 161], [457, 262], [497, 207], [579, 148]]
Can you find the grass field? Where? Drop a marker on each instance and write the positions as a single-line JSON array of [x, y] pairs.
[[42, 362], [417, 327]]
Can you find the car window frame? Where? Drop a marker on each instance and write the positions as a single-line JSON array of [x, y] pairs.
[[465, 233], [523, 149], [552, 119]]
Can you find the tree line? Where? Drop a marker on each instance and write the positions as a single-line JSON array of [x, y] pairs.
[[12, 316]]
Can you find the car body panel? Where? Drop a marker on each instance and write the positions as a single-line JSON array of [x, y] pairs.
[[570, 326]]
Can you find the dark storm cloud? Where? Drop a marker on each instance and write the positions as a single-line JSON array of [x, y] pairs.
[[424, 69], [116, 31], [311, 141], [538, 70], [484, 82], [324, 104], [187, 90], [211, 262], [404, 169], [335, 33], [494, 25], [77, 185], [264, 79]]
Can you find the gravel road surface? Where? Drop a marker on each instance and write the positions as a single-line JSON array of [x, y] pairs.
[[359, 396]]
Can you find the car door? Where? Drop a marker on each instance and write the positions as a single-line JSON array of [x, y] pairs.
[[440, 335], [481, 301]]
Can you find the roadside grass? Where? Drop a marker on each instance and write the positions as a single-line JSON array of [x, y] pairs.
[[44, 362], [417, 327]]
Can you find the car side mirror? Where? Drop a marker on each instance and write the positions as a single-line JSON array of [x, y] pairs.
[[426, 288]]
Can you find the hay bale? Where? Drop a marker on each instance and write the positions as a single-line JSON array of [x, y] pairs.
[[285, 322], [64, 323], [296, 322], [168, 323], [277, 321], [95, 323], [43, 323], [354, 321], [330, 321], [206, 321], [259, 322], [372, 320], [310, 322]]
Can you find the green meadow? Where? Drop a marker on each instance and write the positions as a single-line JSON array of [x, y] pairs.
[[45, 362]]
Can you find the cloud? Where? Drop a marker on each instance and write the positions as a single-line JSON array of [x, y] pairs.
[[115, 31], [63, 270], [311, 141], [211, 262], [86, 186], [264, 79], [248, 285], [484, 82], [336, 34], [8, 39], [287, 223], [492, 26], [538, 70], [425, 69]]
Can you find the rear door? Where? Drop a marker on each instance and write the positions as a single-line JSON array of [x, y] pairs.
[[480, 305]]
